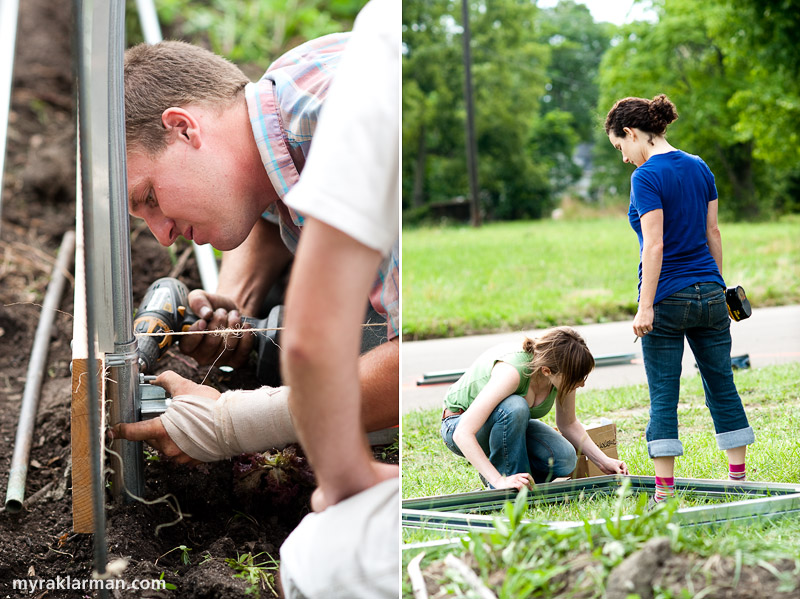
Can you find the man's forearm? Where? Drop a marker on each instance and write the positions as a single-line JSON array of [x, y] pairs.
[[379, 375], [324, 306], [248, 272]]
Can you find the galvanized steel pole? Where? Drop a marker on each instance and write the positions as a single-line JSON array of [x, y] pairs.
[[148, 18], [123, 388]]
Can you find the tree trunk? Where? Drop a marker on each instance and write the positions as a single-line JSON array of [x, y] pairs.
[[419, 171], [737, 161]]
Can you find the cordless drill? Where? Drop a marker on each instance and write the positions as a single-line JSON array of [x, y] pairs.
[[165, 309]]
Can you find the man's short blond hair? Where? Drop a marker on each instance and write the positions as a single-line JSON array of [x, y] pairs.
[[168, 74]]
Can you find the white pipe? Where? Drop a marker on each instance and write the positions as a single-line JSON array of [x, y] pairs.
[[207, 265], [9, 11], [149, 21]]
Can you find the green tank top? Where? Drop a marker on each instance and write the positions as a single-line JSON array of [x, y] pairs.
[[463, 392]]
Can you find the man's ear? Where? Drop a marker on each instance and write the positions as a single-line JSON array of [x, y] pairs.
[[181, 125]]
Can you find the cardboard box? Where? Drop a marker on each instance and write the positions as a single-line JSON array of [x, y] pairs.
[[604, 434]]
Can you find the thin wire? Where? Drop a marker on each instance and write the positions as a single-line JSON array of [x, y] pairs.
[[163, 499], [234, 331]]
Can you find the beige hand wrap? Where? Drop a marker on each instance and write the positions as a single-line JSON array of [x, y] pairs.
[[239, 421]]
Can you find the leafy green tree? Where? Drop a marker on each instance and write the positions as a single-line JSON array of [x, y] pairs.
[[553, 139], [433, 134], [761, 38], [577, 45], [732, 70], [508, 72], [681, 56]]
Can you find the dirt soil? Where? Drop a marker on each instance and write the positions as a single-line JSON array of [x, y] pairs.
[[229, 509], [646, 575]]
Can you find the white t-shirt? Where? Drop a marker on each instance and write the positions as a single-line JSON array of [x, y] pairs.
[[349, 551], [351, 180]]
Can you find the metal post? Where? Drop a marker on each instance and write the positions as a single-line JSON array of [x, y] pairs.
[[123, 390], [9, 11], [84, 19], [472, 146]]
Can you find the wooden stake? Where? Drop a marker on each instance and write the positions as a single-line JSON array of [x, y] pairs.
[[82, 511]]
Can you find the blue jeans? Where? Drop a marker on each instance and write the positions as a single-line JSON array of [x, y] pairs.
[[700, 314], [514, 442]]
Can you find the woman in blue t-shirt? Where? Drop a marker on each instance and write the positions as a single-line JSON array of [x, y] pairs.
[[673, 211]]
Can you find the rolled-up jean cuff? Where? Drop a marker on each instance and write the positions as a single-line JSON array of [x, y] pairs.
[[733, 439], [663, 448]]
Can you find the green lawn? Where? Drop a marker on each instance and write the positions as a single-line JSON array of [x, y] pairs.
[[772, 399], [536, 274]]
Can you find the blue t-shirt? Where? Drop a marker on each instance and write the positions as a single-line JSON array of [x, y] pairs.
[[681, 185]]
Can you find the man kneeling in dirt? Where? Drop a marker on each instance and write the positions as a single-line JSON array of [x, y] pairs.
[[349, 198], [211, 156]]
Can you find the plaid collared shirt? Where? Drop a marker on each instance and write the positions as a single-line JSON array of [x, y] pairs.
[[284, 106]]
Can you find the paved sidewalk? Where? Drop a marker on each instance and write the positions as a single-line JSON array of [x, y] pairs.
[[769, 336]]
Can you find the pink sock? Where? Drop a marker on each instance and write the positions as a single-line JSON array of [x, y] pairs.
[[665, 487], [737, 472]]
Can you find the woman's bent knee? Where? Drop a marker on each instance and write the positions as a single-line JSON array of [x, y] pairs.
[[515, 411]]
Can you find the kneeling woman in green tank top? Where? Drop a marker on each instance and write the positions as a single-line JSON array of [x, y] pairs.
[[491, 414]]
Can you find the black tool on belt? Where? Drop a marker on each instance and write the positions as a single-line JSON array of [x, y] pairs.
[[738, 304]]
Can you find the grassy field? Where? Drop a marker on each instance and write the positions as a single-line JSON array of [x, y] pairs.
[[536, 274], [772, 399]]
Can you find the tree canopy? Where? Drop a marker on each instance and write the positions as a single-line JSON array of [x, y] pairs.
[[545, 78]]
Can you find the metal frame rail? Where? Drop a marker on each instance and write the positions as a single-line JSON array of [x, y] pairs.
[[465, 512]]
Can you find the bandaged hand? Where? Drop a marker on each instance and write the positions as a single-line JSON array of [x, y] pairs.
[[205, 426]]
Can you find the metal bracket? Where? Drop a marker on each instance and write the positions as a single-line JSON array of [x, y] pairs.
[[154, 399]]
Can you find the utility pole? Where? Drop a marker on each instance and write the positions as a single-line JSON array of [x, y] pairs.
[[472, 148]]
